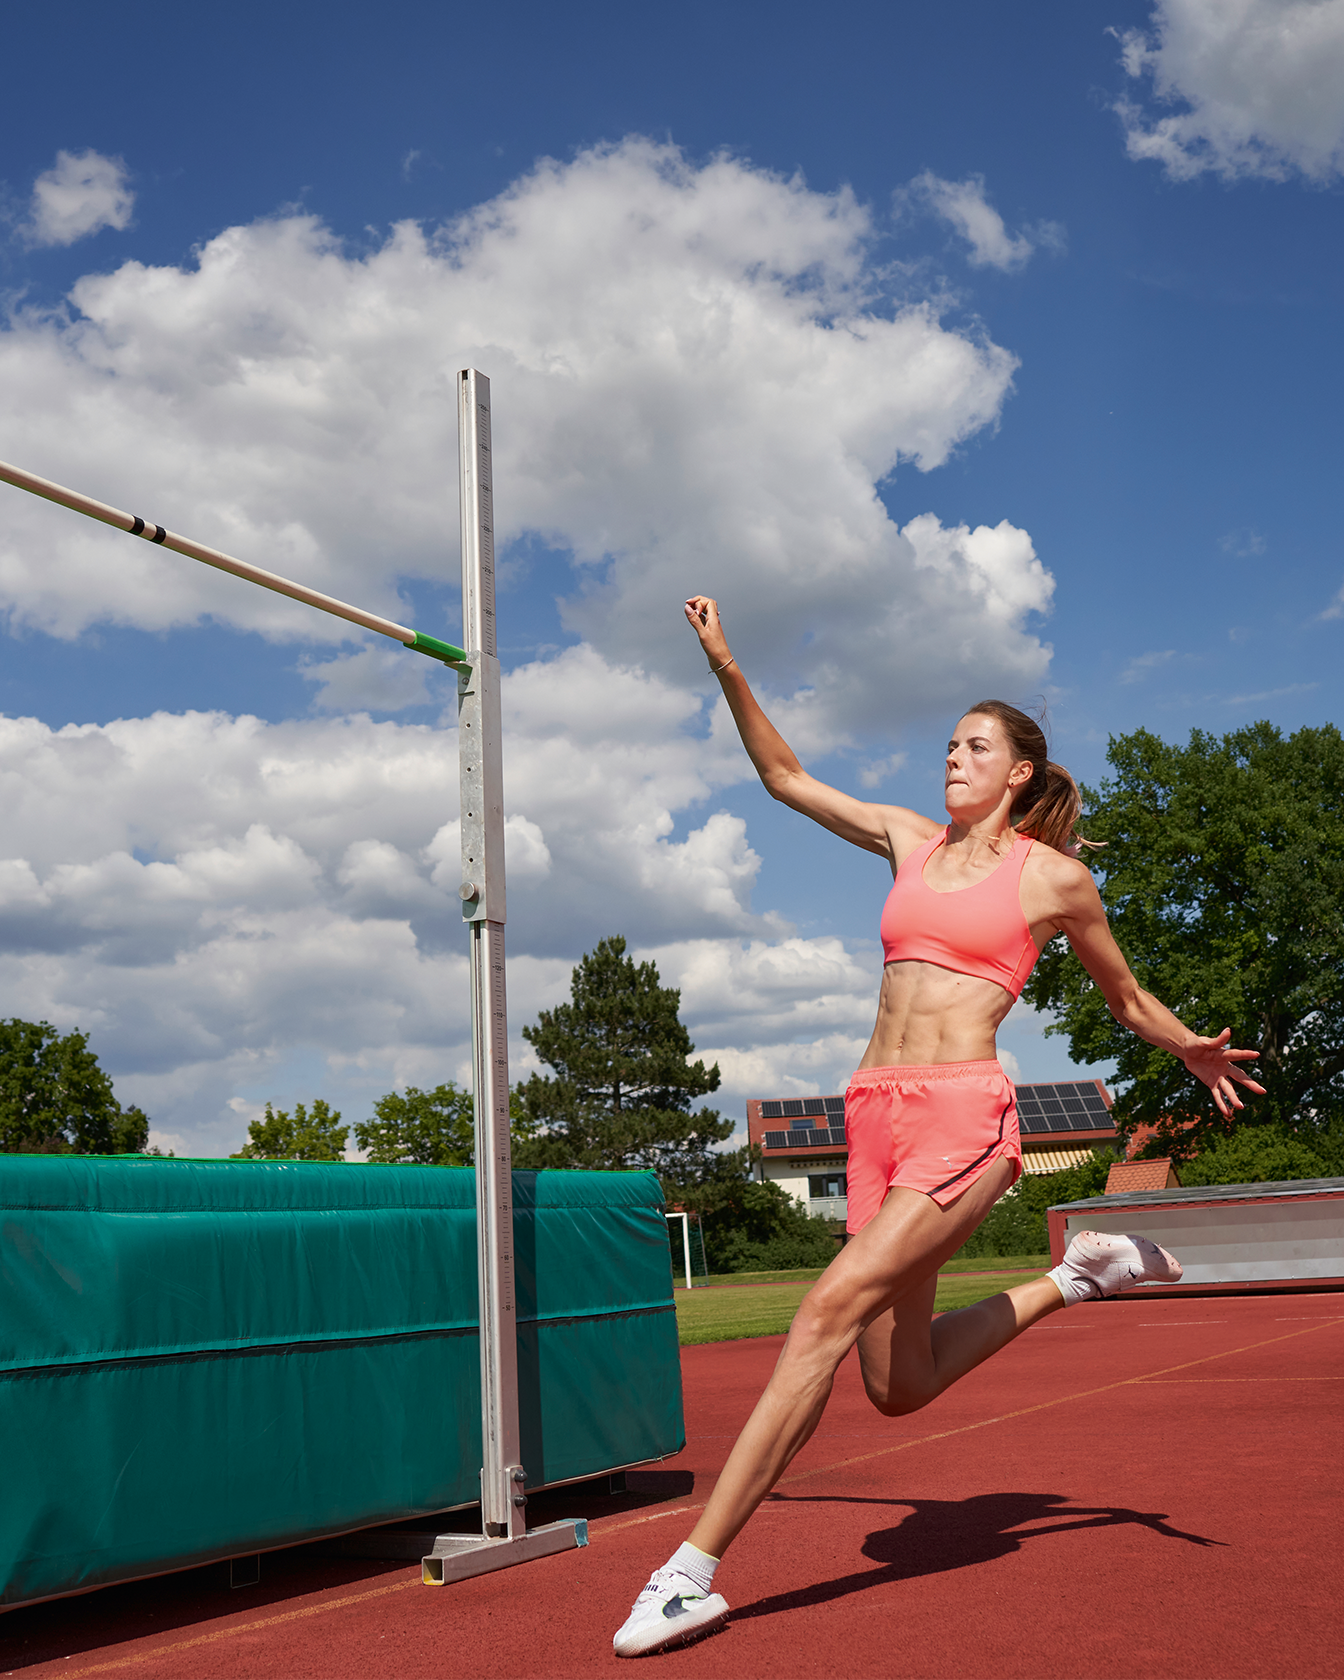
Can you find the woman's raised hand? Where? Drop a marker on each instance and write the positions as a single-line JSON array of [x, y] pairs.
[[702, 614], [1214, 1061]]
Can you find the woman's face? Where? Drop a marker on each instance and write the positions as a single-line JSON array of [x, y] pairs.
[[980, 767]]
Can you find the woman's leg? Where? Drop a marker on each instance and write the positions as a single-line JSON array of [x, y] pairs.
[[892, 1262], [909, 1358]]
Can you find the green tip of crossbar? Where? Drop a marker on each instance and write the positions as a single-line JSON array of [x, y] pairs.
[[438, 650]]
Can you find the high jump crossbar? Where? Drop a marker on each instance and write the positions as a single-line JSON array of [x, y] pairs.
[[137, 527], [505, 1538]]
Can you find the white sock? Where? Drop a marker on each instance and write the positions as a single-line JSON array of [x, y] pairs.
[[1074, 1282], [1074, 1285], [698, 1566]]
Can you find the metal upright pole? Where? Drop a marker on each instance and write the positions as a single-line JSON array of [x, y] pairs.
[[505, 1538], [482, 781]]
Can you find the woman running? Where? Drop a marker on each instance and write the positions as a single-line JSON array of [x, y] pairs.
[[930, 1117]]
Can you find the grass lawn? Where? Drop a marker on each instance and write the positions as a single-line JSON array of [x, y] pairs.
[[764, 1302]]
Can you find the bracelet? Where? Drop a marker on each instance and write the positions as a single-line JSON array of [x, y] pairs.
[[715, 669]]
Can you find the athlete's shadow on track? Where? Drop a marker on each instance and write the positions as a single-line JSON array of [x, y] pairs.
[[945, 1534]]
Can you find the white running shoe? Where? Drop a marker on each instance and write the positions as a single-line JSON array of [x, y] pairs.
[[1097, 1265], [670, 1611]]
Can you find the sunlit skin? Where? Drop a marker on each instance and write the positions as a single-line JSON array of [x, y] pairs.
[[879, 1290]]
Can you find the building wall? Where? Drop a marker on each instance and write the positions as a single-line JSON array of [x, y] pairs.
[[792, 1176]]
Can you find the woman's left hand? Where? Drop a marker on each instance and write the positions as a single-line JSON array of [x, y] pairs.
[[1213, 1061]]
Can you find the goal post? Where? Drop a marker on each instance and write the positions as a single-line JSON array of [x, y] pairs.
[[685, 1240]]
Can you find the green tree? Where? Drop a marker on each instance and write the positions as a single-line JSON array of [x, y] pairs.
[[302, 1136], [427, 1128], [752, 1227], [1223, 877], [624, 1083], [55, 1099], [1259, 1155]]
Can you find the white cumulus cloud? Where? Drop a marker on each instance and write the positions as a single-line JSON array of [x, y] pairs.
[[80, 194], [696, 386], [1250, 88], [965, 208], [968, 212]]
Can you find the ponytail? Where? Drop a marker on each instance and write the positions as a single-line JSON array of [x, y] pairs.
[[1047, 808]]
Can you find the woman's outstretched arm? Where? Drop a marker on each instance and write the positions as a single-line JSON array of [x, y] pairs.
[[889, 830], [1212, 1060]]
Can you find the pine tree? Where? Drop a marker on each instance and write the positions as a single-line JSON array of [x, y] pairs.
[[301, 1136], [624, 1082], [55, 1099]]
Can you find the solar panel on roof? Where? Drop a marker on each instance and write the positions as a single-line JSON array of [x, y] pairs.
[[1056, 1106]]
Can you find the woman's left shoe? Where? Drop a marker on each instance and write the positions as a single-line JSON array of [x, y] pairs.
[[672, 1610]]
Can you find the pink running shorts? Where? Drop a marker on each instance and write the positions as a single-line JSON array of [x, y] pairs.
[[933, 1129]]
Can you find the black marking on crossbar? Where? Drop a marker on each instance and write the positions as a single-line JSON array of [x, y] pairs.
[[137, 526], [159, 534]]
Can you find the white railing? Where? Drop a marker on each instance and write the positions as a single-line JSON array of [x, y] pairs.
[[828, 1207]]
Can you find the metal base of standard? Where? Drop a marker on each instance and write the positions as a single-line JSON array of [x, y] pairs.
[[457, 1557]]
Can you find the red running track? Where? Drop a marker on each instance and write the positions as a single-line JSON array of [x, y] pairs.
[[1132, 1489]]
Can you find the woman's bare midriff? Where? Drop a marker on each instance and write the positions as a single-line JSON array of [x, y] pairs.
[[928, 1015]]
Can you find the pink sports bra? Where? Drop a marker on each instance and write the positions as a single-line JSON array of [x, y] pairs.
[[977, 930]]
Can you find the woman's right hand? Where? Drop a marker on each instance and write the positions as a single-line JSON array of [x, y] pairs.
[[702, 614]]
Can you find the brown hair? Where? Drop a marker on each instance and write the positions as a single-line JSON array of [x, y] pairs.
[[1048, 806]]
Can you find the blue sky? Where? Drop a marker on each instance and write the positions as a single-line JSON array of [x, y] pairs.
[[951, 346]]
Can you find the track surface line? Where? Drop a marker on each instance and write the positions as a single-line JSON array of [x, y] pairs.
[[244, 1627]]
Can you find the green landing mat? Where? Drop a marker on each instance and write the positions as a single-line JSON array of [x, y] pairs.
[[205, 1359]]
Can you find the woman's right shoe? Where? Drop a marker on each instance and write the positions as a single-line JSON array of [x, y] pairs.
[[671, 1610]]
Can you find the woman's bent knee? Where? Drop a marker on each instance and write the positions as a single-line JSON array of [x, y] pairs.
[[897, 1402]]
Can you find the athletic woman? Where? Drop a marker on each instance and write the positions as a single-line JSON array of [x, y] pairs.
[[930, 1117]]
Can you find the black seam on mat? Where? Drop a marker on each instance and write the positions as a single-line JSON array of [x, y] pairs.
[[984, 1156], [192, 1356]]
